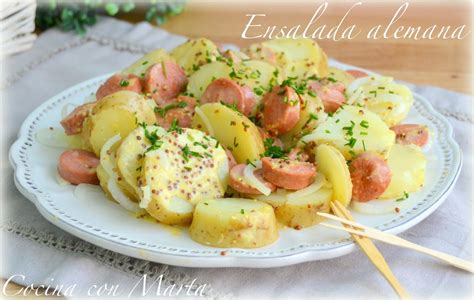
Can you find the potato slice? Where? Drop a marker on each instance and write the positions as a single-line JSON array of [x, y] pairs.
[[234, 222], [130, 154], [200, 79], [118, 113], [195, 53], [140, 67], [353, 130], [311, 115], [186, 169], [302, 212], [333, 166], [408, 165], [297, 57], [341, 76], [232, 129], [389, 100]]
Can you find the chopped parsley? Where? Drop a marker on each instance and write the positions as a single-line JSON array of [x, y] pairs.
[[233, 74], [364, 124], [175, 127], [248, 162], [404, 197], [363, 145], [300, 88], [232, 106], [162, 111], [152, 137], [242, 211], [187, 153], [272, 150], [351, 142], [145, 62], [259, 91], [349, 129], [124, 82]]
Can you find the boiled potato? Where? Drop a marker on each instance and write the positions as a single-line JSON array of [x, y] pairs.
[[118, 113], [275, 199], [408, 165], [311, 115], [333, 166], [232, 129], [302, 212], [200, 79], [186, 169], [297, 57], [131, 151], [140, 67], [233, 222], [341, 76], [390, 100], [353, 130], [195, 53]]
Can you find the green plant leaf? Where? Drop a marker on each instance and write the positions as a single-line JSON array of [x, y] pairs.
[[112, 9], [128, 7]]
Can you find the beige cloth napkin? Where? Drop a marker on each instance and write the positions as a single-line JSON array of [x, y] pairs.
[[41, 252]]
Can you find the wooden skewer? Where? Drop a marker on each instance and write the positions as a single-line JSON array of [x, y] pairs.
[[397, 241], [370, 250]]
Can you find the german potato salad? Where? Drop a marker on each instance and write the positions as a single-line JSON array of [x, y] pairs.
[[237, 144]]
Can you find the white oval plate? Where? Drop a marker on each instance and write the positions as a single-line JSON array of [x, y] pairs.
[[106, 224]]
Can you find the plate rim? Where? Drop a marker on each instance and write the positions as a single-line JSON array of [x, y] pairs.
[[294, 256]]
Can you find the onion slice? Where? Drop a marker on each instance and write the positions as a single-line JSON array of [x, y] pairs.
[[205, 120], [356, 83], [376, 207], [310, 189], [250, 179], [56, 138], [106, 158], [121, 198]]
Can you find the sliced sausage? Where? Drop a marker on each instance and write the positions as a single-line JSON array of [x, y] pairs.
[[72, 123], [281, 110], [357, 73], [119, 82], [165, 80], [170, 111], [265, 135], [250, 101], [288, 174], [78, 166], [332, 94], [298, 154], [236, 180], [370, 176], [230, 92], [411, 134]]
